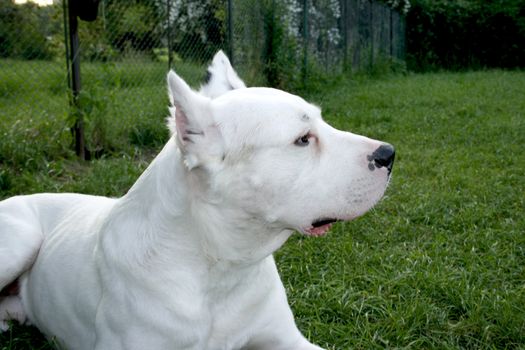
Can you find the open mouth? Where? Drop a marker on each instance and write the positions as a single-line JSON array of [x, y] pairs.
[[320, 227]]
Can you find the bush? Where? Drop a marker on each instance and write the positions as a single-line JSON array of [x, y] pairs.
[[197, 28], [279, 52], [25, 30], [466, 34]]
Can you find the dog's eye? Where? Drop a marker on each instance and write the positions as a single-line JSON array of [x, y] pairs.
[[303, 140]]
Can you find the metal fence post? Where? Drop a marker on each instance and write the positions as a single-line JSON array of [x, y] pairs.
[[78, 129], [170, 53], [371, 33], [391, 28], [344, 26], [230, 31], [305, 40], [66, 42]]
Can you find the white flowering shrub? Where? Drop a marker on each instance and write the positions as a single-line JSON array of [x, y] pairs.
[[196, 27], [401, 5]]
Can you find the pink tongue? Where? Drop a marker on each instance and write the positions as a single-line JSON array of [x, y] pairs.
[[319, 231]]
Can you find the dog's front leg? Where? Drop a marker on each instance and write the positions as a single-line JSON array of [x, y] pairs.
[[280, 331], [146, 324], [270, 342]]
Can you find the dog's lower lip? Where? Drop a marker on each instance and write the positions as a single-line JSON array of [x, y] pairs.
[[320, 227], [322, 222]]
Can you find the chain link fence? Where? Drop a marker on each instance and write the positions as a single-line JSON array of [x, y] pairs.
[[291, 41], [125, 53]]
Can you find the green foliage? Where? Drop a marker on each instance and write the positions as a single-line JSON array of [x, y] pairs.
[[132, 27], [285, 52], [274, 55], [32, 125], [198, 28], [122, 30], [25, 30], [280, 51], [91, 108], [466, 34], [95, 45], [23, 338]]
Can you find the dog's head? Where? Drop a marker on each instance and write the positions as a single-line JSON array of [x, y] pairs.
[[268, 156]]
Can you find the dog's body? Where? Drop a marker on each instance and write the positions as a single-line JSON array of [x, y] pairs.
[[183, 260]]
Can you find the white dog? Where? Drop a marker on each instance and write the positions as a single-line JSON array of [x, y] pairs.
[[184, 259]]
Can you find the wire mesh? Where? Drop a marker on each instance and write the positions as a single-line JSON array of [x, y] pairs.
[[285, 42], [126, 52]]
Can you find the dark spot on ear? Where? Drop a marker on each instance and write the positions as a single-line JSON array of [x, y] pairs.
[[371, 166], [223, 157], [207, 78]]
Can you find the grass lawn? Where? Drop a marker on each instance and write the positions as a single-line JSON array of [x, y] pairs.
[[438, 264]]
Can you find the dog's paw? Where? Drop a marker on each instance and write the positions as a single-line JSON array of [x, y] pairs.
[[11, 309], [4, 326]]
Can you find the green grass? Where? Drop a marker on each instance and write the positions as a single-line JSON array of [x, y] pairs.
[[438, 264], [124, 105]]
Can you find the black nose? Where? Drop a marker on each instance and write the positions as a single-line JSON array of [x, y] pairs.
[[384, 156]]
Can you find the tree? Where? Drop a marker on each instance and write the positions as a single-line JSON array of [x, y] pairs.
[[25, 30], [466, 34]]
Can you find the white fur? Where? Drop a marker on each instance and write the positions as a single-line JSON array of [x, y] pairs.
[[222, 77], [11, 308], [184, 259]]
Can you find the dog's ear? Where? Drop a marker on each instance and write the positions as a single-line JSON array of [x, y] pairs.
[[191, 122], [220, 77]]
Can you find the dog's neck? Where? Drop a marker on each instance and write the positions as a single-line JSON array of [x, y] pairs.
[[167, 208]]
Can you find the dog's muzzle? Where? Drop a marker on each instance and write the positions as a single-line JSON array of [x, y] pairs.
[[382, 157]]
